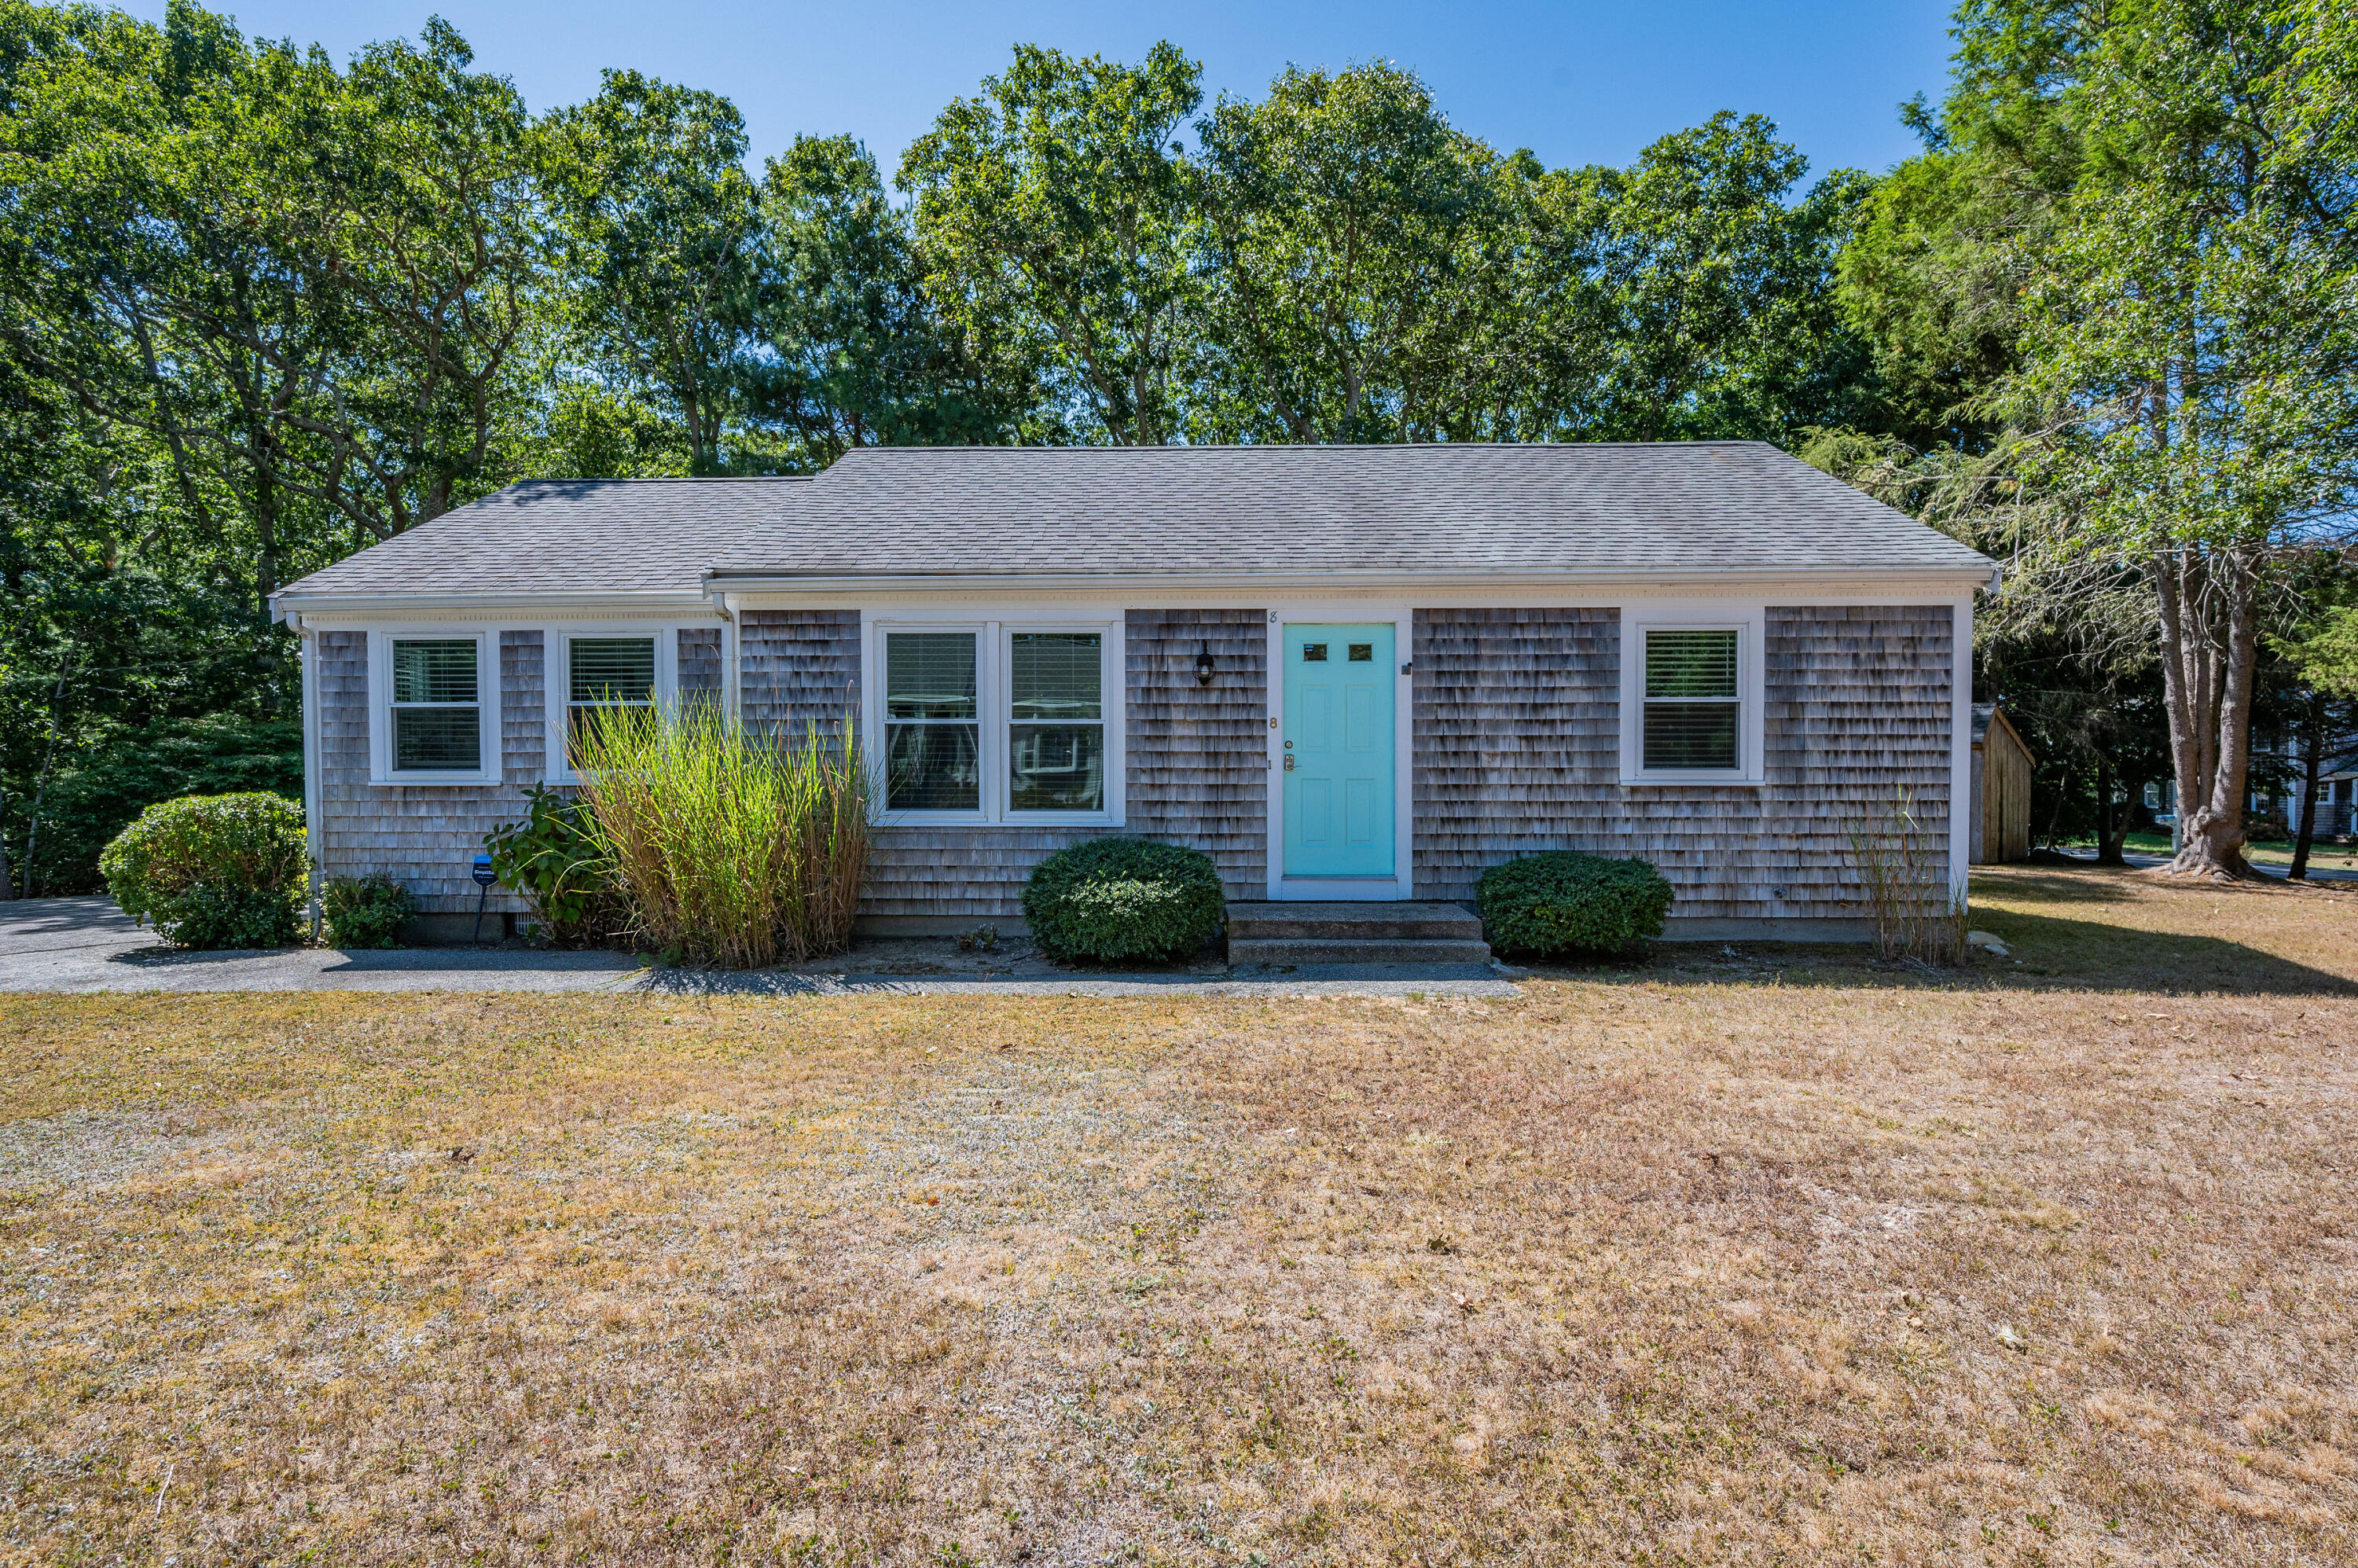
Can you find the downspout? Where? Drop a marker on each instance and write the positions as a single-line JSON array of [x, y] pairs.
[[727, 656], [307, 650]]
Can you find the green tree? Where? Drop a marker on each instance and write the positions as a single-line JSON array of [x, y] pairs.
[[857, 355], [1352, 241], [1056, 213], [2187, 329], [662, 239]]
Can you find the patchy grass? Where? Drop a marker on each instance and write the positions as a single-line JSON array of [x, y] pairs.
[[1749, 1256]]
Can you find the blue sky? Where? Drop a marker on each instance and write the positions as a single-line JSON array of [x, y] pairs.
[[1577, 81]]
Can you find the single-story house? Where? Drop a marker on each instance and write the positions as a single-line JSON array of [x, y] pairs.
[[2001, 809], [1347, 673]]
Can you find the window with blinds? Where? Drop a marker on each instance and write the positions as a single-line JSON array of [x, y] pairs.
[[1694, 707], [603, 674], [932, 731], [1056, 735], [437, 715]]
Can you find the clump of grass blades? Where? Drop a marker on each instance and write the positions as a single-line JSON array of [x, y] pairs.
[[735, 848], [1903, 872]]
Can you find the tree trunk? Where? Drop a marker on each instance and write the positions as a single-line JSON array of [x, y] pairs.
[[2111, 827], [7, 883], [2210, 645], [2310, 768]]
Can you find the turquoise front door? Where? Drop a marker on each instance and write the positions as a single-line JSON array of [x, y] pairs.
[[1338, 750]]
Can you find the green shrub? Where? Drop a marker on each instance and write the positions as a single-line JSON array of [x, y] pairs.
[[364, 912], [733, 848], [213, 870], [554, 858], [1115, 900], [1562, 901]]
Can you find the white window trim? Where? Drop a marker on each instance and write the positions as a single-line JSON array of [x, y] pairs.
[[556, 680], [993, 634], [1749, 621], [381, 640]]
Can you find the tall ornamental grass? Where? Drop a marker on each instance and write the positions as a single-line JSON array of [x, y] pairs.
[[1903, 874], [733, 848]]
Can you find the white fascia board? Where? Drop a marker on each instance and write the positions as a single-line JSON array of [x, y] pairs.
[[1777, 584], [339, 611]]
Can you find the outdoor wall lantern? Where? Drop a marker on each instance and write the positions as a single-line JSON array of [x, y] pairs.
[[1204, 666]]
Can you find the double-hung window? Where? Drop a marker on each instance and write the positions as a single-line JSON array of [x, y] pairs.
[[1055, 737], [434, 716], [1693, 706], [437, 711], [932, 731], [604, 674], [1692, 697], [999, 722]]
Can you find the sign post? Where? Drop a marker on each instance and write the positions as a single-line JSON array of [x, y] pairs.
[[484, 878]]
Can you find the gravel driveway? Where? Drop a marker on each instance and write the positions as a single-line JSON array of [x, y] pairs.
[[87, 944]]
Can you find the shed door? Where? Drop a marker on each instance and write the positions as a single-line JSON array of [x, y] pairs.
[[1338, 750]]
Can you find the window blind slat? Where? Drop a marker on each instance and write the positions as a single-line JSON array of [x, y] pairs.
[[434, 671], [1055, 675], [1691, 664], [929, 674], [612, 669]]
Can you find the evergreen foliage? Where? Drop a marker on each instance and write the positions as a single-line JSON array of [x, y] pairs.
[[221, 871], [1562, 902], [1109, 900]]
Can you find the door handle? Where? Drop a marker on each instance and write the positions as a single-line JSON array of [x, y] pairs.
[[1289, 761]]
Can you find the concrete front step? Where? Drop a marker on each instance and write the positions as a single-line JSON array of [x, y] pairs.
[[1400, 950], [1389, 921]]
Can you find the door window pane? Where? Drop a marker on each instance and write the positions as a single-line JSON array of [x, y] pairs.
[[437, 713], [1691, 714], [932, 750]]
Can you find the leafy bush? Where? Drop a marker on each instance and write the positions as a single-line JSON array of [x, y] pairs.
[[733, 848], [1114, 900], [365, 911], [555, 860], [216, 870], [1562, 902]]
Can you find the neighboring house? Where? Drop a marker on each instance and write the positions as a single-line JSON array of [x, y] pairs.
[[1362, 673], [2001, 788]]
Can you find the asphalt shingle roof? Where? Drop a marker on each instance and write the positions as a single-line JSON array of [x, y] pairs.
[[1013, 510]]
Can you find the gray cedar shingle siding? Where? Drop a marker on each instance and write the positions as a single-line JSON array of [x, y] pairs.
[[1517, 749], [1196, 773], [797, 668], [699, 661], [1197, 756], [426, 837]]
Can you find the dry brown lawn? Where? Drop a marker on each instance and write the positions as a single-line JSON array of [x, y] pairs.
[[1770, 1257]]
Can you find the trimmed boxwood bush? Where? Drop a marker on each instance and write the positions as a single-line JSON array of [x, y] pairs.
[[1562, 902], [212, 871], [1119, 900], [364, 912]]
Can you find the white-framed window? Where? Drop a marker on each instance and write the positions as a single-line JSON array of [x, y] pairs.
[[434, 706], [592, 668], [1693, 694], [996, 720]]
